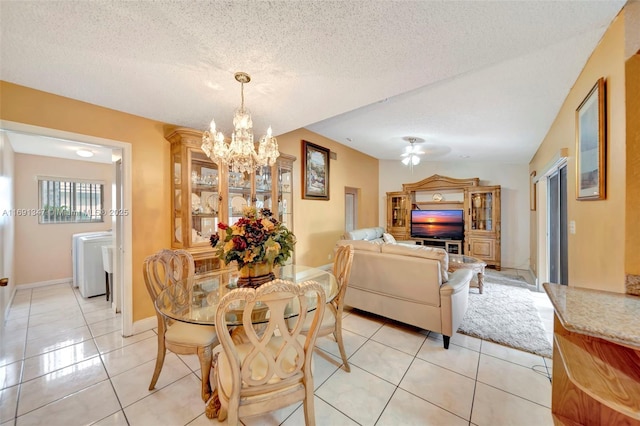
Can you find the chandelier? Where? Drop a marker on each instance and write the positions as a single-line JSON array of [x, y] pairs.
[[412, 153], [240, 152]]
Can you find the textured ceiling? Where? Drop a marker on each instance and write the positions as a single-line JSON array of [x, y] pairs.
[[477, 79]]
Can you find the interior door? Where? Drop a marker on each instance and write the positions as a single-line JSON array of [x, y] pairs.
[[3, 196], [6, 226], [351, 209], [118, 277]]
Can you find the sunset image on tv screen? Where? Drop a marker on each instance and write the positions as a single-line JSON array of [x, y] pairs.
[[437, 224], [437, 216]]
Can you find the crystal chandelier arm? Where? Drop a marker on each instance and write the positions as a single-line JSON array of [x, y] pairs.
[[240, 153]]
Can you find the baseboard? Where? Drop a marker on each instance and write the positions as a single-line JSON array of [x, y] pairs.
[[328, 267], [145, 324], [44, 283]]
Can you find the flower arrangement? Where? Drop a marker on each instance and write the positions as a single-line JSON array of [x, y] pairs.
[[255, 238]]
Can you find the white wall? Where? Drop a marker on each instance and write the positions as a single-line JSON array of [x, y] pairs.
[[514, 182]]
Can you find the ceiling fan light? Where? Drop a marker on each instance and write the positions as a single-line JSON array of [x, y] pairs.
[[406, 160], [415, 160]]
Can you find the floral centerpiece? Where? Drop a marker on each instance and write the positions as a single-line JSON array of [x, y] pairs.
[[256, 242]]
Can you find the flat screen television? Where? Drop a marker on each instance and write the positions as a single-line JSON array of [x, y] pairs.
[[442, 224]]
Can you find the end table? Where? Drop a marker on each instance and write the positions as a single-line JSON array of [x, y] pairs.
[[459, 261]]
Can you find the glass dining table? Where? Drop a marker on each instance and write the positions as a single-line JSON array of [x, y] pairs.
[[195, 300]]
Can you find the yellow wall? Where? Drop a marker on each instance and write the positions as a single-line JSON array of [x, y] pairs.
[[150, 205], [596, 250], [317, 225], [632, 228]]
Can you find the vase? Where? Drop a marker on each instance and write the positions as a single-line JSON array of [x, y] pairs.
[[255, 274]]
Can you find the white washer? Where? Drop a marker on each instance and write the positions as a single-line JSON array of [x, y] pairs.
[[75, 238], [91, 274]]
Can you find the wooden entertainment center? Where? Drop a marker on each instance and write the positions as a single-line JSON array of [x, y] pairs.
[[481, 215]]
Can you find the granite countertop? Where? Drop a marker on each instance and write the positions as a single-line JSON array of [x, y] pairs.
[[607, 315]]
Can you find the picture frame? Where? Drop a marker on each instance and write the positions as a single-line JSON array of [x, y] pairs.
[[315, 171], [532, 191], [591, 145]]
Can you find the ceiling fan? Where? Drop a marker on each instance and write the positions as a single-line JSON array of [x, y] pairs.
[[412, 153]]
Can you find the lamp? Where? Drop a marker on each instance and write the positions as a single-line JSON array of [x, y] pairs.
[[412, 153], [240, 153]]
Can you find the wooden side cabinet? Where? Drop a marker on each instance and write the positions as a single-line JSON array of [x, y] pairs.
[[482, 224], [398, 214]]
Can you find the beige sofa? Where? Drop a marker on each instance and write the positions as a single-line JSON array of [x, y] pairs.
[[408, 283]]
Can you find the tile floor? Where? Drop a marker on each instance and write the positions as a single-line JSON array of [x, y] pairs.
[[63, 361]]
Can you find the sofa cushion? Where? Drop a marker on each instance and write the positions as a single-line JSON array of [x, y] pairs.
[[388, 238], [362, 245], [434, 253], [367, 234]]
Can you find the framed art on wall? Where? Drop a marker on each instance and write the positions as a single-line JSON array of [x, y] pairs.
[[315, 171], [591, 145]]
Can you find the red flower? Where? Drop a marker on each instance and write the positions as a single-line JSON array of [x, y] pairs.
[[239, 243], [222, 226]]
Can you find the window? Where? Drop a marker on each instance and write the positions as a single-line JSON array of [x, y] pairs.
[[70, 200]]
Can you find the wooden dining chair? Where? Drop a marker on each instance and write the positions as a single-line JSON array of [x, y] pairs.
[[271, 367], [332, 321], [162, 270]]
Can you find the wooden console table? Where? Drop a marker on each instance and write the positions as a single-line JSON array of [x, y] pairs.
[[596, 357]]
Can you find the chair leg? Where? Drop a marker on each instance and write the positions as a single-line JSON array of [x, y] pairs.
[[446, 341], [159, 362], [338, 336], [204, 354], [309, 408]]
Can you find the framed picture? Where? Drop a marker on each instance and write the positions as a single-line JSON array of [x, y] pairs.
[[315, 171], [532, 191], [591, 145]]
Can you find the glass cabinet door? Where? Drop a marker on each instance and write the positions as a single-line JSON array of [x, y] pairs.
[[285, 191], [177, 213], [239, 195], [264, 189], [398, 211], [481, 205], [204, 198]]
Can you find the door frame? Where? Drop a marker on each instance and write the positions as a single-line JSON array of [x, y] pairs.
[[123, 271]]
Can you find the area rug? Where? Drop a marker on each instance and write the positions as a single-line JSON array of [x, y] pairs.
[[505, 313]]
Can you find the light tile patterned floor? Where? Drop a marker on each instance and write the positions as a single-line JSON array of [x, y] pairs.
[[64, 362]]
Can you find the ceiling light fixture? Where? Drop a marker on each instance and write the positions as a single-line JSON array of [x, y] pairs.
[[84, 153], [412, 153], [240, 153]]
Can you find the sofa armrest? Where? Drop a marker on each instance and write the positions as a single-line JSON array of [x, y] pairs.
[[454, 298], [458, 281]]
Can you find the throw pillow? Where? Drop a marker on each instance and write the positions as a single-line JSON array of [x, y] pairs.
[[388, 238]]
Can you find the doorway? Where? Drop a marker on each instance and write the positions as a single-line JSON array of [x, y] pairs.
[[557, 226], [350, 209], [122, 276]]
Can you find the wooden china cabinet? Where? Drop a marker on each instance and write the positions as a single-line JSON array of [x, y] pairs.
[[205, 193], [398, 208], [482, 224]]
